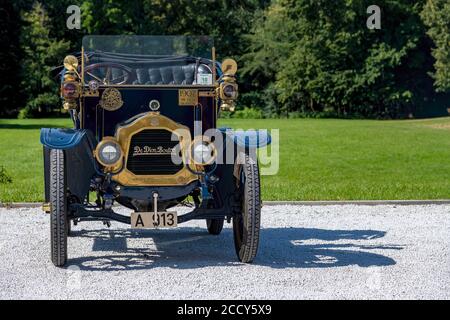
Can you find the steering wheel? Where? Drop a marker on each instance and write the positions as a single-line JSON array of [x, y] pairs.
[[109, 73]]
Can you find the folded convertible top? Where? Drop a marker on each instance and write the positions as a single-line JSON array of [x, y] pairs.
[[136, 59]]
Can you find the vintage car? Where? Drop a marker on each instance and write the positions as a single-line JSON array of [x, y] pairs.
[[144, 112]]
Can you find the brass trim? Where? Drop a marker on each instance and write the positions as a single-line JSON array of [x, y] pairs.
[[69, 105], [47, 207], [82, 65], [228, 82], [227, 103], [111, 99], [187, 97], [229, 67], [152, 120], [206, 94], [78, 89], [82, 83], [89, 93], [70, 63], [214, 64]]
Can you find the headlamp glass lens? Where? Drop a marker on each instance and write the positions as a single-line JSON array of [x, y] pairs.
[[229, 91], [109, 153]]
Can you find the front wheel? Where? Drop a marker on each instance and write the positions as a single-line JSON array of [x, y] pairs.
[[247, 222], [59, 223]]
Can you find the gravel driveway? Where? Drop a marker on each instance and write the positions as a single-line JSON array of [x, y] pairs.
[[309, 252]]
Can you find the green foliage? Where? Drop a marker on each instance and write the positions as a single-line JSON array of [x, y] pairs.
[[297, 58], [226, 20], [4, 177], [10, 98], [41, 53], [40, 105], [45, 39], [248, 113], [436, 15], [319, 55]]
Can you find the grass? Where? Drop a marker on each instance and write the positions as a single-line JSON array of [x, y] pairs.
[[21, 156], [322, 159]]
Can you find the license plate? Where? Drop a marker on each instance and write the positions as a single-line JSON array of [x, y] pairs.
[[145, 220]]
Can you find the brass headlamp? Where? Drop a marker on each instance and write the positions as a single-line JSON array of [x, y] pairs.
[[109, 154], [228, 89], [70, 88]]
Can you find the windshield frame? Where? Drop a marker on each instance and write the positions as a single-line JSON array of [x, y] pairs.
[[180, 42]]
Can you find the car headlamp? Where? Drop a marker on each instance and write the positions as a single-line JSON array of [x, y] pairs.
[[109, 153], [203, 152], [70, 90], [230, 91]]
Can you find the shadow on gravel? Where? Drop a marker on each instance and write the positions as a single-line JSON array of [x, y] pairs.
[[189, 248]]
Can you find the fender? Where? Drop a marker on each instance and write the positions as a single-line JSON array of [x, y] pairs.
[[80, 163], [60, 138], [248, 138]]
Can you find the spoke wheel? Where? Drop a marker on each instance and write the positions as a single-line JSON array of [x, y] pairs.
[[59, 223], [247, 222]]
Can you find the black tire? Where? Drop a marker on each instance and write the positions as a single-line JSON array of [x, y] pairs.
[[69, 228], [59, 224], [215, 226], [247, 223]]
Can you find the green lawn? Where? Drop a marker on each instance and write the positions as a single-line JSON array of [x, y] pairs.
[[319, 159]]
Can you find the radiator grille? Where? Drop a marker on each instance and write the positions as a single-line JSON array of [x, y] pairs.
[[150, 153]]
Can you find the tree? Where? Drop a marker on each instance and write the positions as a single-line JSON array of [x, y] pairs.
[[10, 99], [436, 15], [44, 38], [41, 53], [226, 20], [319, 56]]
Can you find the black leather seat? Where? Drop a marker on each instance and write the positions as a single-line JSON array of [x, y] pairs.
[[169, 74]]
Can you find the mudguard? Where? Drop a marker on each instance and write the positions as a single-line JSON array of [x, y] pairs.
[[239, 140], [248, 138], [80, 163], [58, 138]]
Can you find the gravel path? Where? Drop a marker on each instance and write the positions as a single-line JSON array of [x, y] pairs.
[[330, 252]]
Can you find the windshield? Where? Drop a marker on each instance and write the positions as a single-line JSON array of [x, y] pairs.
[[148, 60], [196, 46]]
